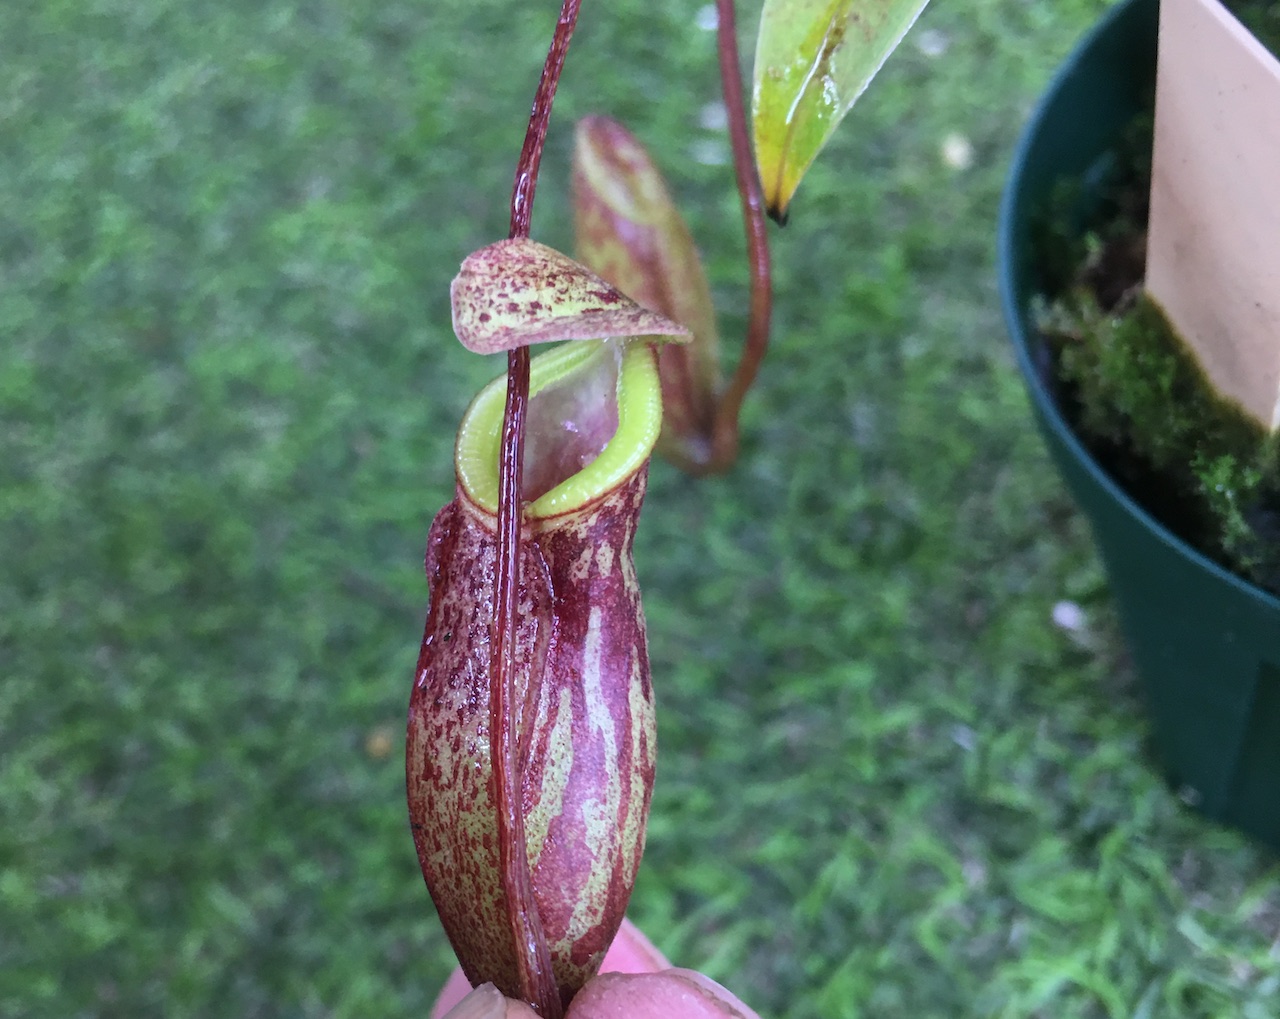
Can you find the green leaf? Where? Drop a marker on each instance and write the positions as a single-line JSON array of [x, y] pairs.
[[518, 292], [813, 59]]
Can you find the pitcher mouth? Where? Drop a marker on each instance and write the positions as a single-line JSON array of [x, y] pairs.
[[595, 411]]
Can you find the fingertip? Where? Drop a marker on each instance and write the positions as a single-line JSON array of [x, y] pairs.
[[632, 952], [671, 994]]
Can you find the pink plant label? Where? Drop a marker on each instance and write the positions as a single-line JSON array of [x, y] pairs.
[[1213, 257]]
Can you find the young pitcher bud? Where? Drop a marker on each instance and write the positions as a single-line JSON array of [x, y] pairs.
[[584, 706], [629, 231]]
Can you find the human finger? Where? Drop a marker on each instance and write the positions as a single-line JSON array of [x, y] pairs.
[[671, 994], [631, 952], [487, 1002]]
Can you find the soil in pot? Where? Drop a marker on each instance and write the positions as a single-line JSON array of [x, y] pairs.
[[1131, 388]]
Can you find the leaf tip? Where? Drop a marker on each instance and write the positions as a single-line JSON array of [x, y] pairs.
[[779, 183]]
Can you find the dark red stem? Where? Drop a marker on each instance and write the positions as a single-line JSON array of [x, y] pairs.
[[526, 181], [537, 981], [724, 444], [533, 957]]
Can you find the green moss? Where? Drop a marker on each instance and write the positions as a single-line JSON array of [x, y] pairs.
[[1197, 461], [1136, 377]]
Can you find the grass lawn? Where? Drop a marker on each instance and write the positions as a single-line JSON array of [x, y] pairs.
[[889, 786]]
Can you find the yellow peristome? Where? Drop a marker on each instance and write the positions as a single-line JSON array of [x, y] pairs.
[[639, 396]]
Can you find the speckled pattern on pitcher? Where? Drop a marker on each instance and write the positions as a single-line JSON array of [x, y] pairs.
[[586, 731]]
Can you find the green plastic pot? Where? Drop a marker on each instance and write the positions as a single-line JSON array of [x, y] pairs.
[[1205, 643]]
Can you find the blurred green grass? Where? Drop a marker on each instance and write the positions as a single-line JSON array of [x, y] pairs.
[[889, 785]]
